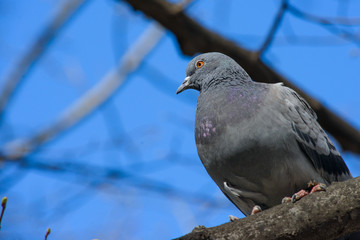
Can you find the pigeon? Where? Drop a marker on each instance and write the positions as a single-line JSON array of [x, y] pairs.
[[259, 142]]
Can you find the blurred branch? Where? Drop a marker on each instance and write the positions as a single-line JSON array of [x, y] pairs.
[[323, 215], [330, 25], [91, 99], [274, 28], [34, 52], [324, 20], [67, 202], [100, 176], [10, 179], [194, 38]]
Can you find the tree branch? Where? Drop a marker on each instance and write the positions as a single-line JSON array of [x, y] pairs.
[[194, 38], [337, 210]]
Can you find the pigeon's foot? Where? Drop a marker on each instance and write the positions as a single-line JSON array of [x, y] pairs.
[[286, 199], [299, 195], [233, 218], [256, 209], [312, 187], [318, 188]]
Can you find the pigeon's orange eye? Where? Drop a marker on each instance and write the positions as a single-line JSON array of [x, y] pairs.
[[199, 64]]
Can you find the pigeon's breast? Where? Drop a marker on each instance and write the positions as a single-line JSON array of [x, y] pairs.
[[218, 112], [207, 130]]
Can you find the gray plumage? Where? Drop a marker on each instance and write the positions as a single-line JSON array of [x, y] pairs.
[[259, 142]]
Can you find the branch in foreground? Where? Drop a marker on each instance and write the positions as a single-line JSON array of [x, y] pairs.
[[194, 38], [64, 14], [323, 215]]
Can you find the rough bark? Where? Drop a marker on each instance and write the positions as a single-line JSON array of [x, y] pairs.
[[194, 38], [322, 215]]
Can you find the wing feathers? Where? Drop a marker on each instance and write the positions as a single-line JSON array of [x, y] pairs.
[[312, 139]]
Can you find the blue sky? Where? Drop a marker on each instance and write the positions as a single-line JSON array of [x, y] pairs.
[[159, 190]]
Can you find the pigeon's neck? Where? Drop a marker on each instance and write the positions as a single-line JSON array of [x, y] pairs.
[[235, 92], [232, 98], [227, 78]]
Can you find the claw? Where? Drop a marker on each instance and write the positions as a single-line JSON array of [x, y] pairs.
[[319, 187], [312, 187], [233, 218], [286, 200], [300, 194], [256, 209]]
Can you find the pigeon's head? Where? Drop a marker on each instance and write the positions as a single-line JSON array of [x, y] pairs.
[[209, 68]]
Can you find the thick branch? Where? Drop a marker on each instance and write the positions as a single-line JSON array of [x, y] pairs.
[[323, 215], [194, 38]]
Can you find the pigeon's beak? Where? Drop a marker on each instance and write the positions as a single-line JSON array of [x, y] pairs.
[[184, 85]]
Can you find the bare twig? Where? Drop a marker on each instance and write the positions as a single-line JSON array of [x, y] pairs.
[[30, 57], [48, 231], [91, 99], [3, 206], [324, 215], [274, 28], [194, 38]]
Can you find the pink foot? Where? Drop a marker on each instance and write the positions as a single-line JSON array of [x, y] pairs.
[[256, 209], [233, 218], [299, 195], [318, 188], [315, 187]]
